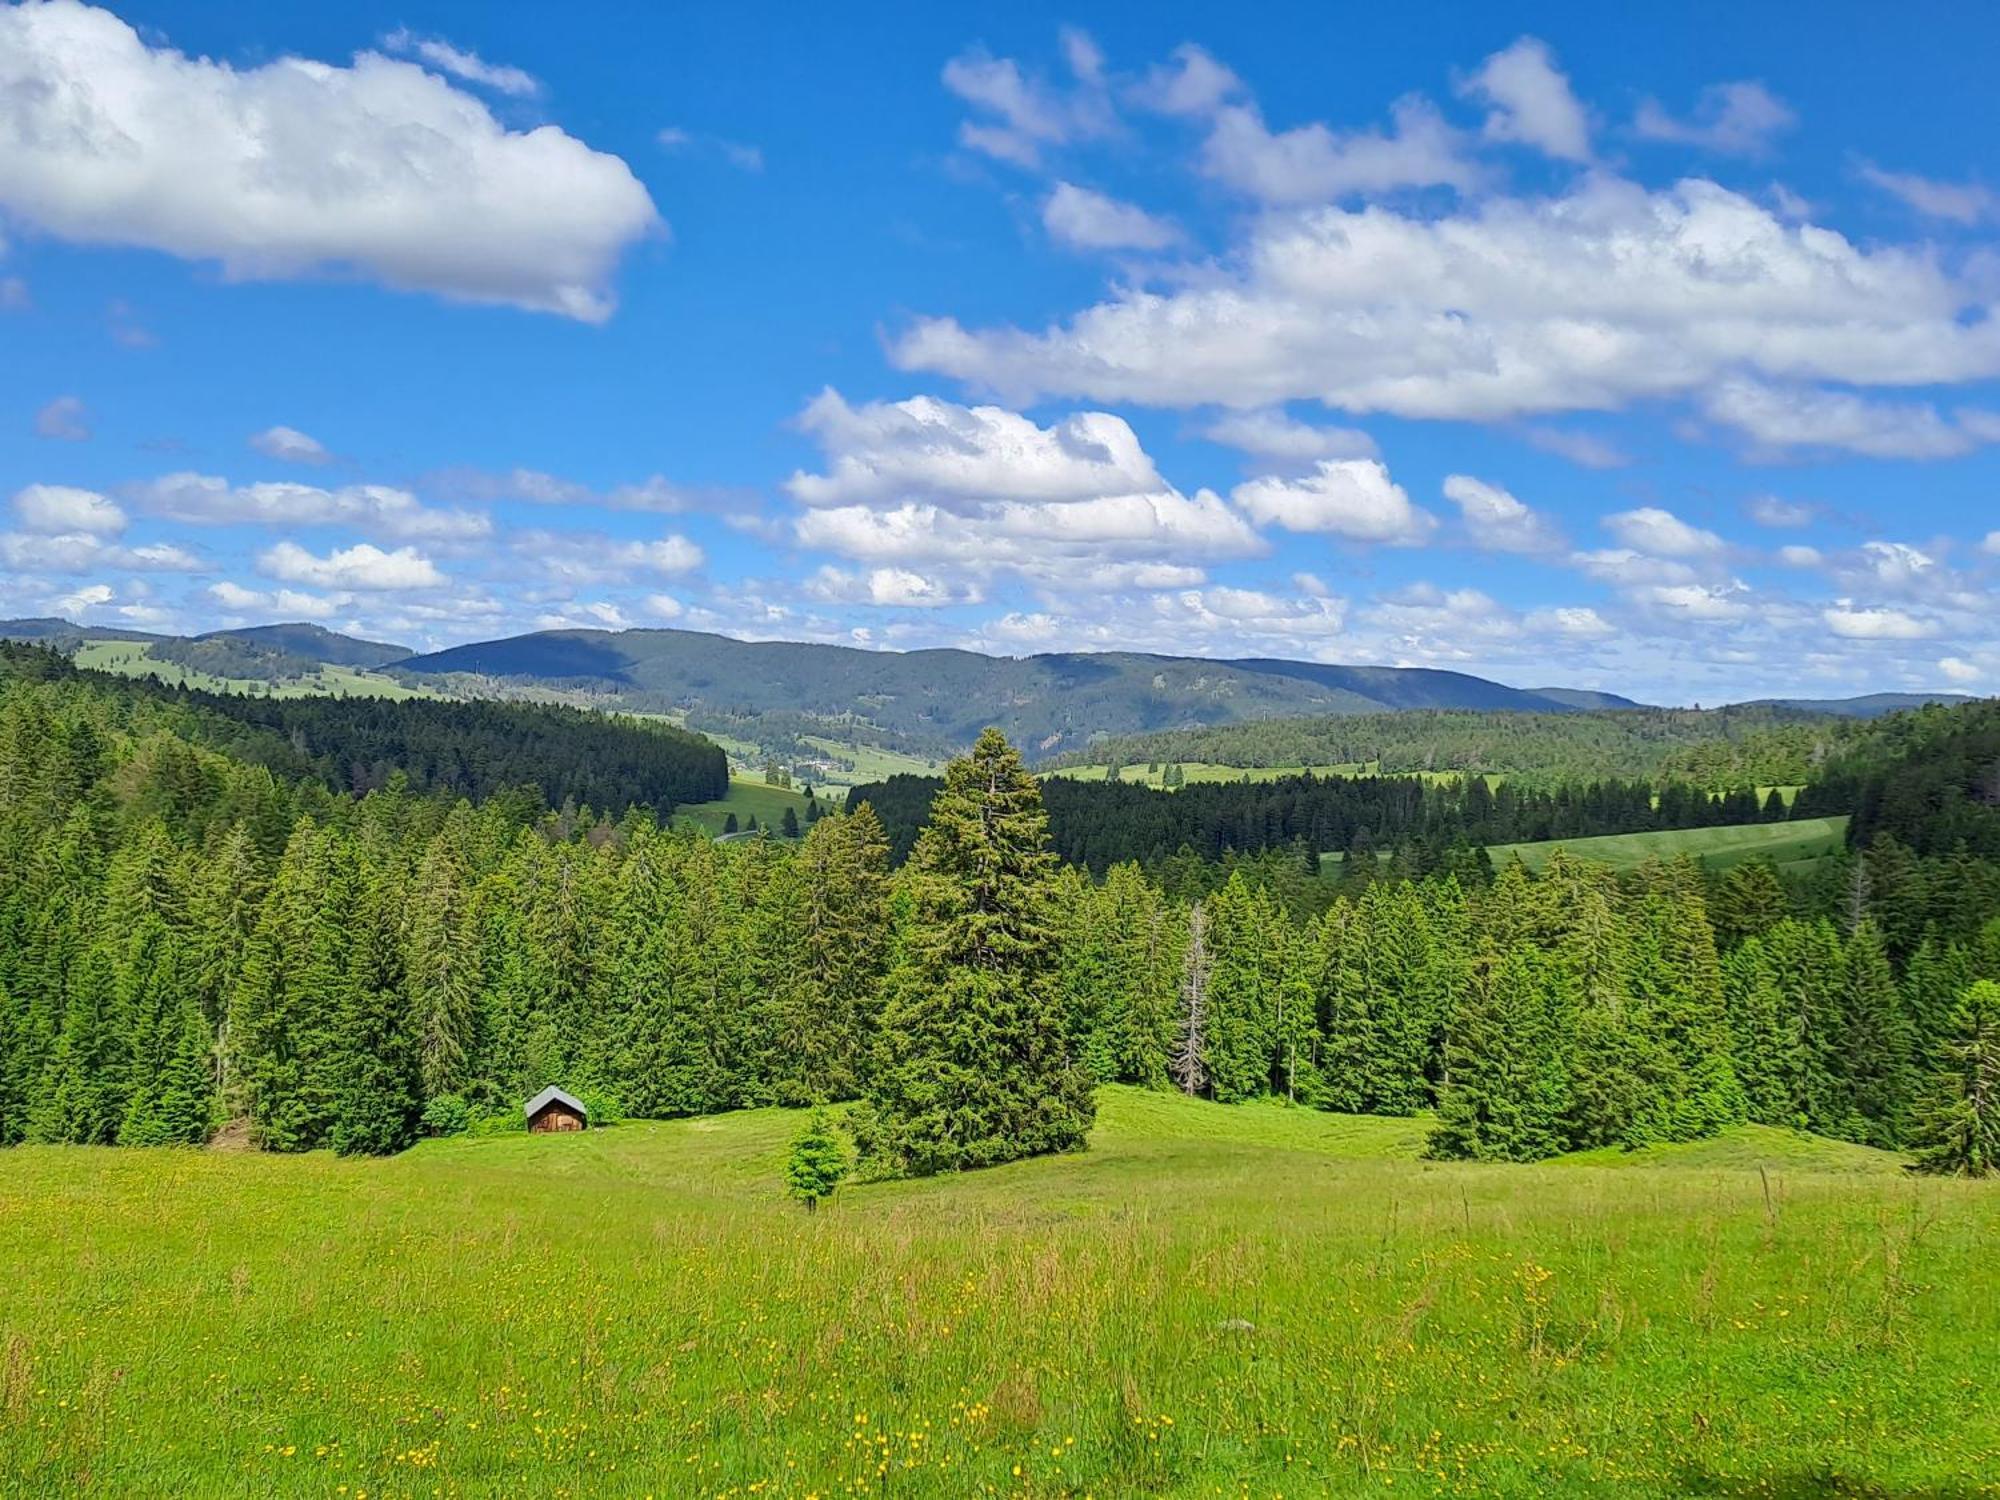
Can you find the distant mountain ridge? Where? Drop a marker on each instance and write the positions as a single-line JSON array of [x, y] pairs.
[[785, 693], [939, 699], [314, 643]]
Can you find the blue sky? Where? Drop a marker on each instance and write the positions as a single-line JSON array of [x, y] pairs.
[[1557, 343]]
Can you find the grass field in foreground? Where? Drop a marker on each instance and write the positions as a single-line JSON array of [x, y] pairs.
[[135, 659], [1211, 1300]]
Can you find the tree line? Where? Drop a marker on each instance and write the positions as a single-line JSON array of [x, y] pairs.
[[1099, 824], [1717, 750], [475, 750], [185, 942]]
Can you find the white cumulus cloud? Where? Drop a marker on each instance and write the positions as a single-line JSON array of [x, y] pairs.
[[1858, 624], [1353, 498], [363, 566], [1592, 300], [54, 509], [297, 167]]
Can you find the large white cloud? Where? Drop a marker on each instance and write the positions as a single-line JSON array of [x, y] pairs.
[[1590, 300], [363, 566], [929, 482], [297, 166], [968, 455], [55, 509], [1353, 498]]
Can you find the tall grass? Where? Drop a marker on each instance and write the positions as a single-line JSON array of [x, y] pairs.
[[1209, 1301]]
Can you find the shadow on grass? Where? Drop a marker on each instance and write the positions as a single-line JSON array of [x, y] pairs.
[[1811, 1484]]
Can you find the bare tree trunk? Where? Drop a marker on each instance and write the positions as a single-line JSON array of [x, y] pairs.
[[1189, 1064]]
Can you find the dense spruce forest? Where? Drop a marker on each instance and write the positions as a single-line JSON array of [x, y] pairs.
[[474, 750], [1428, 823], [1716, 750], [196, 935]]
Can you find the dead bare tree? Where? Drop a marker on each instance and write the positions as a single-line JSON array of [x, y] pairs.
[[1189, 1064]]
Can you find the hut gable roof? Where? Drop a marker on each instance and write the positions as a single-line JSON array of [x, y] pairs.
[[553, 1095]]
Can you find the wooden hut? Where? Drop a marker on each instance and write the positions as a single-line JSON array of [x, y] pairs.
[[552, 1109]]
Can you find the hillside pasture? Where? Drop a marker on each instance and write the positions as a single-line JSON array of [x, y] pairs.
[[1212, 1299], [1788, 843], [1194, 771], [750, 796]]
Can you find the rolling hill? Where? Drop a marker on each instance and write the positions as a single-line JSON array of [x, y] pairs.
[[823, 708], [938, 700]]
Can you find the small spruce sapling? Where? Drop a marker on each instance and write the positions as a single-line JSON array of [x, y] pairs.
[[818, 1162]]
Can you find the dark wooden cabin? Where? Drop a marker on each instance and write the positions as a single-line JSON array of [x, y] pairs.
[[552, 1109]]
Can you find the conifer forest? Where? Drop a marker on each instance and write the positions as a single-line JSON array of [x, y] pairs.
[[192, 940]]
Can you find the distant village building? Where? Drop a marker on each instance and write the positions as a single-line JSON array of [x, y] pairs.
[[552, 1109]]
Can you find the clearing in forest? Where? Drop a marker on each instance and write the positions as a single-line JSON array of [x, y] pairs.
[[1246, 1298]]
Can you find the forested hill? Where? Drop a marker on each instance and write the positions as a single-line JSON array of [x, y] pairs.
[[274, 652], [1719, 749], [938, 701], [352, 745], [1927, 780]]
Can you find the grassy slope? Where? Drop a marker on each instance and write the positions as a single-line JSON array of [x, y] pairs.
[[748, 796], [871, 762], [1209, 1300], [134, 659], [1808, 838]]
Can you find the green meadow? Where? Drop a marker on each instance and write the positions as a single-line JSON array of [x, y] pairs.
[[1212, 1300], [749, 796], [1719, 848]]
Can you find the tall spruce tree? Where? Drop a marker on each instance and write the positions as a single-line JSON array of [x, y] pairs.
[[1506, 1083], [977, 1067], [378, 1072], [1958, 1123]]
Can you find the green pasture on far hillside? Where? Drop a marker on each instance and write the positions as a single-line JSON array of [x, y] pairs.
[[1718, 848], [1232, 1300], [749, 796], [1793, 845]]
